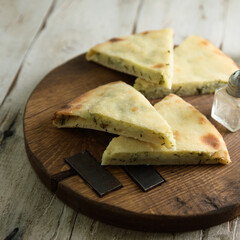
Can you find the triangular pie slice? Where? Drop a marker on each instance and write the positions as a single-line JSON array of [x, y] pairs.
[[148, 55], [116, 108], [197, 140], [199, 68]]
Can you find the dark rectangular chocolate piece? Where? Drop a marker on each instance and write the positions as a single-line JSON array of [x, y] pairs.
[[93, 173], [145, 176]]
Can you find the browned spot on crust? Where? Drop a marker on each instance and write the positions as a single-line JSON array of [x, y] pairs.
[[134, 109], [217, 51], [176, 134], [63, 111], [178, 69], [65, 107], [192, 108], [78, 106], [112, 83], [170, 95], [116, 39], [159, 65], [204, 42], [59, 116], [202, 120], [146, 32], [211, 140], [225, 154], [167, 103], [79, 99]]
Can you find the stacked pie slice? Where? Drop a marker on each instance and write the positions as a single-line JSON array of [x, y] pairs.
[[195, 67], [148, 55], [172, 132], [199, 68], [117, 108], [197, 140]]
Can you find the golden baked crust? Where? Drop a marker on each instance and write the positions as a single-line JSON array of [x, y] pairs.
[[148, 55], [197, 140], [199, 68], [116, 108]]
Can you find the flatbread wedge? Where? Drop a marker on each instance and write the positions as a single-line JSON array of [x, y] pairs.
[[148, 55], [116, 108], [197, 140], [199, 68]]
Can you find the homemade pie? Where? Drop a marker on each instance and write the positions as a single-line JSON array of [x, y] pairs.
[[199, 68], [116, 108], [197, 140], [148, 55]]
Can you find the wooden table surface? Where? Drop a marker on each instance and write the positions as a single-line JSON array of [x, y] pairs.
[[35, 37]]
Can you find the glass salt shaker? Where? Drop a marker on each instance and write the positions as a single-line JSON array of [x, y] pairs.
[[226, 104]]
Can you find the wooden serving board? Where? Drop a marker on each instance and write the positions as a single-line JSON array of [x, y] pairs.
[[193, 197]]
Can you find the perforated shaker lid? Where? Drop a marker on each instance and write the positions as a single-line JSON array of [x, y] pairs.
[[233, 87]]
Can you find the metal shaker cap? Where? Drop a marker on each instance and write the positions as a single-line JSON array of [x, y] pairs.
[[233, 87]]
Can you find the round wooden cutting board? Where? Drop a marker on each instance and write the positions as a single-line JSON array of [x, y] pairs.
[[193, 197]]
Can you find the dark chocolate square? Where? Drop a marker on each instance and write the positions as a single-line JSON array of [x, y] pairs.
[[146, 177], [93, 173]]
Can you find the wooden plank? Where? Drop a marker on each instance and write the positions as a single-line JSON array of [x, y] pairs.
[[72, 28], [217, 19], [25, 202], [202, 195], [229, 45], [19, 26], [97, 230], [67, 47], [223, 231], [66, 43], [200, 15], [235, 228], [102, 231], [231, 39]]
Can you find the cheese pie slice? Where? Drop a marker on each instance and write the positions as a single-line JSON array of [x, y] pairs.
[[116, 108], [199, 68], [197, 140], [148, 55]]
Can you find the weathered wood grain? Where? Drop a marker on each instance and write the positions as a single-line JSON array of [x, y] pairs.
[[25, 202], [84, 27], [229, 44], [215, 20], [67, 40], [231, 35], [101, 231], [19, 26], [63, 37], [223, 231], [192, 197], [204, 18]]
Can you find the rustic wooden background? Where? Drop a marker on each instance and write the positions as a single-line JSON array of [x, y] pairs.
[[35, 37]]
